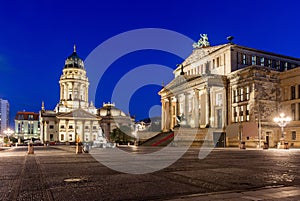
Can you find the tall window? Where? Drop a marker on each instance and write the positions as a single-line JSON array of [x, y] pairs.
[[293, 111], [293, 92], [241, 94], [253, 60], [219, 99], [235, 114], [269, 63], [244, 59], [235, 96], [248, 113], [247, 91], [262, 61], [62, 138], [241, 113], [298, 111], [218, 61], [277, 65], [294, 136]]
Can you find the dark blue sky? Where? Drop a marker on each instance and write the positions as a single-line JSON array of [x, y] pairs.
[[37, 36]]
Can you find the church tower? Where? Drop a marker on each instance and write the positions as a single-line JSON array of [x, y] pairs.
[[74, 85]]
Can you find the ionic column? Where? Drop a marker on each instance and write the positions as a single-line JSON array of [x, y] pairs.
[[186, 107], [163, 118], [208, 106], [177, 106], [196, 107], [170, 114]]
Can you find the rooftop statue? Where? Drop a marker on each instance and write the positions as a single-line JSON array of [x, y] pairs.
[[202, 42]]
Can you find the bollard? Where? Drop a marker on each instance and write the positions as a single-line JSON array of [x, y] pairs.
[[30, 148], [243, 145], [79, 148], [286, 145]]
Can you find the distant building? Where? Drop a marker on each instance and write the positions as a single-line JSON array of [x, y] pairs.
[[27, 125], [230, 93], [4, 115], [112, 117]]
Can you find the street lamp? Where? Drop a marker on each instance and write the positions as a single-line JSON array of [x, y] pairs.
[[282, 121], [8, 132]]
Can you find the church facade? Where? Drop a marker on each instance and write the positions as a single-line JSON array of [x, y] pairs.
[[74, 118], [230, 94]]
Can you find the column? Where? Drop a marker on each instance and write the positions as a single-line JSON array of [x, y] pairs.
[[91, 131], [163, 120], [196, 107], [208, 106], [170, 114], [224, 107], [186, 107], [177, 106], [82, 130]]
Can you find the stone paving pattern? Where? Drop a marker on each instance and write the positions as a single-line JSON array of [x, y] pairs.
[[226, 174]]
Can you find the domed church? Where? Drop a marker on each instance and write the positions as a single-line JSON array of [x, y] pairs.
[[74, 118], [112, 117]]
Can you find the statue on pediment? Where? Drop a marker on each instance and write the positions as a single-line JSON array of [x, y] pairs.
[[202, 42]]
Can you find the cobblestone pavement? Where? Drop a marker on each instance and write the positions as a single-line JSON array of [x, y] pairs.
[[57, 173]]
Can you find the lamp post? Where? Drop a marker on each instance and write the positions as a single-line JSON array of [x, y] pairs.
[[8, 132], [282, 121]]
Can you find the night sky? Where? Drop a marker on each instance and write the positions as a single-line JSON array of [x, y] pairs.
[[37, 36]]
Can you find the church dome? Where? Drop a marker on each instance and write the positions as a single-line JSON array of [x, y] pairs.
[[109, 109], [74, 61]]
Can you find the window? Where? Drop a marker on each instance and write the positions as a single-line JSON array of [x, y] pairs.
[[244, 59], [285, 65], [51, 137], [235, 96], [294, 135], [30, 128], [95, 127], [62, 126], [293, 94], [213, 66], [241, 94], [218, 61], [219, 99], [235, 114], [241, 113], [293, 111], [70, 126], [86, 127], [248, 113], [247, 91], [30, 117], [298, 111], [253, 60], [269, 63], [70, 137], [51, 126], [277, 65], [262, 61], [62, 137]]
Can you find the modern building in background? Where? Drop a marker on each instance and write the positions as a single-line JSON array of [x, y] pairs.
[[230, 94], [27, 125], [4, 115]]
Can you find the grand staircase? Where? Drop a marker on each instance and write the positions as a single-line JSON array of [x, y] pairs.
[[161, 139]]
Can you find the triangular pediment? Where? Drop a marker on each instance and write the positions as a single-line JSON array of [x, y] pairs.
[[78, 114]]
